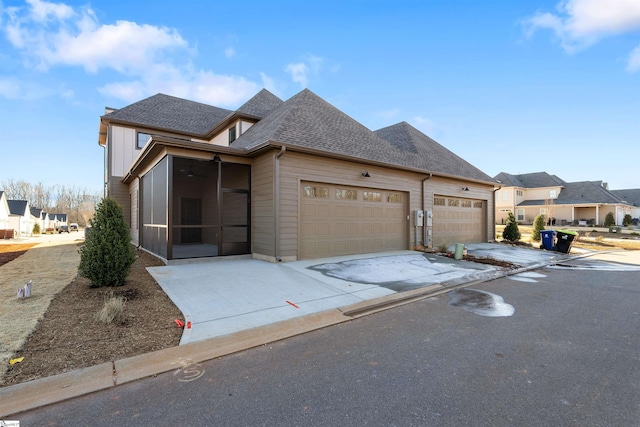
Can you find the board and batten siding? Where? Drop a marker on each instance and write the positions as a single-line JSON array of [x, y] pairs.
[[262, 205], [298, 167]]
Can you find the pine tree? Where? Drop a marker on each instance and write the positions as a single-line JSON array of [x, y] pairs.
[[511, 231], [107, 254], [609, 220], [538, 226]]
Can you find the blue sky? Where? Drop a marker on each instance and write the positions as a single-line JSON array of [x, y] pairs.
[[519, 86]]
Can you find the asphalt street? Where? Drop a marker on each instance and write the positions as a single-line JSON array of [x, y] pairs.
[[565, 353]]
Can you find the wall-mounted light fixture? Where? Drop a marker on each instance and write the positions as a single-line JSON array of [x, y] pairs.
[[366, 174], [465, 188]]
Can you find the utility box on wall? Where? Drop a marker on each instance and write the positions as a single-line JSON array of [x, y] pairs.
[[418, 217], [429, 218]]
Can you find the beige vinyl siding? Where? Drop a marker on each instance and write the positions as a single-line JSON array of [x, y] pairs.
[[120, 193], [453, 188], [297, 167], [262, 220]]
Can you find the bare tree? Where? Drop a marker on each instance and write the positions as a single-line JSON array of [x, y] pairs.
[[78, 203]]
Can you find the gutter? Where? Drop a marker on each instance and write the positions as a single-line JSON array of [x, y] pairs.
[[276, 202]]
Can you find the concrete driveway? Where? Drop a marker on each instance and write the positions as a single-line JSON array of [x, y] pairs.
[[222, 296]]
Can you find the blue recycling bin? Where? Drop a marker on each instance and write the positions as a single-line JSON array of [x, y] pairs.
[[549, 240]]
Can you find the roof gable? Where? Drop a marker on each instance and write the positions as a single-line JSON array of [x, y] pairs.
[[261, 104], [174, 114], [308, 121], [427, 154], [17, 207]]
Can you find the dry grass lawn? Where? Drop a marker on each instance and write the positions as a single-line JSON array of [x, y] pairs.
[[49, 273]]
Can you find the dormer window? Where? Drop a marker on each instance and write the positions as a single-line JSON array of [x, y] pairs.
[[142, 140], [232, 134]]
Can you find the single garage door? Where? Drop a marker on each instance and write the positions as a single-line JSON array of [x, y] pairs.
[[341, 220], [458, 220]]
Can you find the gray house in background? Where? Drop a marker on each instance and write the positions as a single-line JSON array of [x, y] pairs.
[[539, 193], [285, 180], [632, 197]]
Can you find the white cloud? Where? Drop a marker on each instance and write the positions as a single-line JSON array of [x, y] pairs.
[[310, 66], [229, 52], [579, 24], [151, 59], [43, 11], [299, 73], [633, 64]]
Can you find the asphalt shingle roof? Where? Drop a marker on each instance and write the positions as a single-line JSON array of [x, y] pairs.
[[171, 113], [306, 120], [529, 180], [261, 104], [17, 207], [631, 195], [586, 192]]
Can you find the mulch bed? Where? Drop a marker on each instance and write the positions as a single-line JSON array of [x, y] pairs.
[[69, 337]]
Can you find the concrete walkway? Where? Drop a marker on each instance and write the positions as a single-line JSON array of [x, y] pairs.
[[215, 292], [224, 296]]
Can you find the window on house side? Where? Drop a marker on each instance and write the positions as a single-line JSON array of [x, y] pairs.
[[505, 195], [142, 140], [371, 196], [346, 194], [552, 194], [232, 134]]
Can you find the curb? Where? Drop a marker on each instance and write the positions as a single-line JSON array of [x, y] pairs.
[[57, 388]]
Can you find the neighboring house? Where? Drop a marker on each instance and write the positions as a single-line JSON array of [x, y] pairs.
[[561, 202], [20, 218], [285, 180], [56, 220], [4, 212], [36, 214], [632, 197]]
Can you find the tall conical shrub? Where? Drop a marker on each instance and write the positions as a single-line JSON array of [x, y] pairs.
[[538, 226], [107, 253], [511, 231]]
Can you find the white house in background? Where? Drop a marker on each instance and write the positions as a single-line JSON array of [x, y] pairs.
[[4, 212], [20, 217]]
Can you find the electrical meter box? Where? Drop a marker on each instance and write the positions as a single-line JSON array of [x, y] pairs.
[[429, 216], [418, 217]]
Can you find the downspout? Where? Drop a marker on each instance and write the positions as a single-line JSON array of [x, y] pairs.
[[276, 207], [425, 232], [493, 236]]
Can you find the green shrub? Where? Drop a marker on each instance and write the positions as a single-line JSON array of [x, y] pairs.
[[107, 254], [627, 220], [511, 231], [609, 220], [538, 226], [36, 228]]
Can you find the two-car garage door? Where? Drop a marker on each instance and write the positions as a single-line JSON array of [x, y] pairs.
[[341, 220]]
